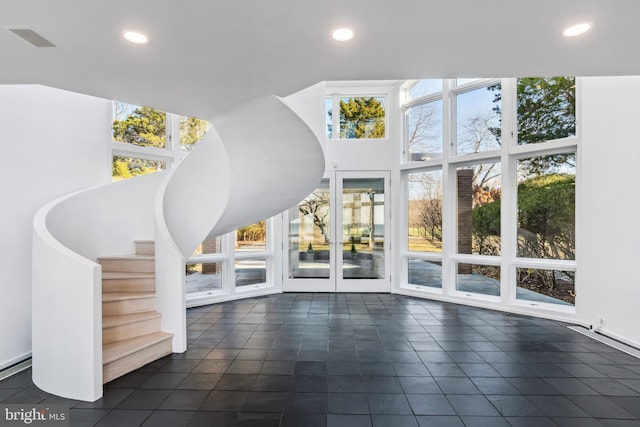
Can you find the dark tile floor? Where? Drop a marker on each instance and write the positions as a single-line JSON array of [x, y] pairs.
[[355, 360]]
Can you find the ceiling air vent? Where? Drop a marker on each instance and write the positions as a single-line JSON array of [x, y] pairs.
[[32, 37]]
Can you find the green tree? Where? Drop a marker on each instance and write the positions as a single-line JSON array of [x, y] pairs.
[[546, 110], [127, 167], [546, 217], [362, 118], [144, 126], [485, 227], [191, 131]]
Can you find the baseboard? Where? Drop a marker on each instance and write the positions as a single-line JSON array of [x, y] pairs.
[[18, 359], [610, 339], [8, 369]]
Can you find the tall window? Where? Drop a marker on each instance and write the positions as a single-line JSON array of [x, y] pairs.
[[251, 260], [478, 211], [424, 208], [498, 195], [423, 121], [425, 211], [478, 120]]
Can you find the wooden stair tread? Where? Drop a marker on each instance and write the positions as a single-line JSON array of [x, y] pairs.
[[117, 275], [119, 349], [120, 296], [125, 319]]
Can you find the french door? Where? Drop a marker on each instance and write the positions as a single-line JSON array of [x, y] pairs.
[[338, 236]]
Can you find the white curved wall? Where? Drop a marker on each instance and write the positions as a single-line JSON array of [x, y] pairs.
[[67, 318], [106, 220], [275, 160], [256, 161], [69, 234]]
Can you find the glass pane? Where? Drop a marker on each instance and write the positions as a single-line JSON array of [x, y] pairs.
[[209, 246], [329, 109], [309, 246], [363, 228], [425, 211], [478, 120], [478, 279], [127, 167], [362, 118], [479, 192], [423, 88], [548, 286], [546, 109], [137, 125], [252, 237], [203, 277], [191, 131], [251, 272], [424, 132], [547, 206], [425, 273]]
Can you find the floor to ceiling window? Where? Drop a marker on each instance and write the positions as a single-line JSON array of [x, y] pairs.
[[489, 176]]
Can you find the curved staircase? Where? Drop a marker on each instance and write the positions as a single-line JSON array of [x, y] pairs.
[[131, 335], [95, 321]]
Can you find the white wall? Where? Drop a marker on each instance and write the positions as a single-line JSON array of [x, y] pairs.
[[609, 228], [55, 142]]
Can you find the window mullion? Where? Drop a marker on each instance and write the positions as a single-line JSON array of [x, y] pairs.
[[508, 217]]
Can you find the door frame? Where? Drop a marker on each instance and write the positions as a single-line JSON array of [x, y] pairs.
[[335, 282]]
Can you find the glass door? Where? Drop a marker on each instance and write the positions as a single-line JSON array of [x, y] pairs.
[[362, 226], [337, 236], [309, 258]]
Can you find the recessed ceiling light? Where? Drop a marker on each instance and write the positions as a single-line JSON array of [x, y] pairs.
[[135, 37], [576, 30], [342, 34]]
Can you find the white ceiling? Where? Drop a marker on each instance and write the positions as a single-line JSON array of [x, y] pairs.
[[205, 56]]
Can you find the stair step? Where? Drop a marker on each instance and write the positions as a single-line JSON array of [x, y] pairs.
[[145, 247], [119, 303], [117, 328], [128, 263], [124, 356], [128, 282]]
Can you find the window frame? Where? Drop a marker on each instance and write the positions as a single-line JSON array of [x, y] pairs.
[[336, 92], [508, 155]]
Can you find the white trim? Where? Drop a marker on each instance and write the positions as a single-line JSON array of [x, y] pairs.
[[15, 365], [474, 85], [214, 299], [488, 304], [151, 153]]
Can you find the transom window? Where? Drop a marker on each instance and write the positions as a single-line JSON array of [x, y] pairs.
[[356, 117]]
